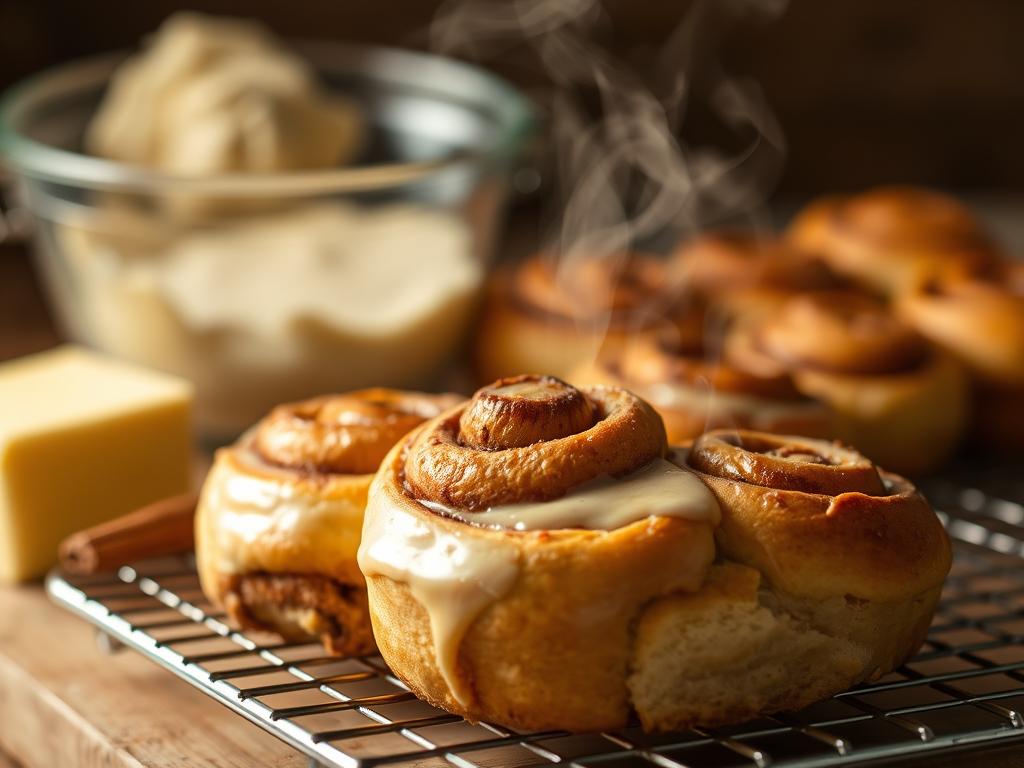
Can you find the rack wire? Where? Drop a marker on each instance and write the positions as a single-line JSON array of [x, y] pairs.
[[966, 686]]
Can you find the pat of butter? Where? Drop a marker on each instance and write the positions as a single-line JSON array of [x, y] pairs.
[[83, 439]]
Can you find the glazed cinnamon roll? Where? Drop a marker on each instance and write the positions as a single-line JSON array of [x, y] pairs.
[[681, 373], [747, 274], [552, 316], [890, 238], [510, 545], [981, 322], [538, 558], [895, 397], [829, 572], [280, 514]]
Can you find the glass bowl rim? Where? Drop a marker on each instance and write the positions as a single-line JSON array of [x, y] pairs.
[[35, 159]]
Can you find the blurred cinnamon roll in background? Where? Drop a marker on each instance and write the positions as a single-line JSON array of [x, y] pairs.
[[894, 396], [890, 238], [551, 316], [981, 323], [680, 370], [746, 274], [280, 514]]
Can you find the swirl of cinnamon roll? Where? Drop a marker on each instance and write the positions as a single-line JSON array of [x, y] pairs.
[[510, 544], [890, 238], [694, 389], [344, 434], [895, 397], [550, 316], [981, 323], [746, 274], [281, 511]]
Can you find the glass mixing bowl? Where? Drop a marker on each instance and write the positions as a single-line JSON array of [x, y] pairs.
[[259, 287]]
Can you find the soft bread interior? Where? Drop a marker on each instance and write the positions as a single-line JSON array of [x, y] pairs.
[[728, 653]]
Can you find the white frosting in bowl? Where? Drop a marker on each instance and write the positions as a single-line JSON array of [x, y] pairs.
[[266, 309], [216, 95]]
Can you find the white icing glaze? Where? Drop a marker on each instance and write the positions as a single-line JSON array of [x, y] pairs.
[[258, 511], [658, 489], [456, 576], [758, 412]]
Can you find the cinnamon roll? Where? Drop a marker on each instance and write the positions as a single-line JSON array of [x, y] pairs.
[[281, 511], [829, 572], [681, 373], [981, 322], [747, 274], [510, 545], [894, 396], [890, 238], [538, 558], [552, 317]]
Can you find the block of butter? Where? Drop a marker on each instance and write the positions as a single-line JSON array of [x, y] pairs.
[[83, 438]]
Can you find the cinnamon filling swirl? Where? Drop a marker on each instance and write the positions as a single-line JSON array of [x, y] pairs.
[[344, 434], [835, 332]]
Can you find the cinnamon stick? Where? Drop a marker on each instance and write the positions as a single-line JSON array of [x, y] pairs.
[[162, 528]]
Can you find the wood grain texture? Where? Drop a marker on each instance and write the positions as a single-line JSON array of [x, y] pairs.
[[64, 702]]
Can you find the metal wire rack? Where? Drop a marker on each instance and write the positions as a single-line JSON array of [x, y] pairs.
[[965, 686]]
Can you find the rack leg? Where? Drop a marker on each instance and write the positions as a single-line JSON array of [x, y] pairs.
[[106, 643]]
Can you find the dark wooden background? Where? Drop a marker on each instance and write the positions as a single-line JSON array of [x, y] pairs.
[[866, 90]]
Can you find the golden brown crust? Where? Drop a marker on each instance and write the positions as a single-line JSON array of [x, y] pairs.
[[894, 397], [271, 507], [889, 238], [880, 546]]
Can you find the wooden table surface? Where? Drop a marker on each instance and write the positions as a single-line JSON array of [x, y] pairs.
[[63, 702]]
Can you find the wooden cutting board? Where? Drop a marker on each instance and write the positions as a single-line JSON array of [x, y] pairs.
[[64, 702]]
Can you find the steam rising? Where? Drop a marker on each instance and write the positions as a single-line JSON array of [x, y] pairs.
[[626, 179]]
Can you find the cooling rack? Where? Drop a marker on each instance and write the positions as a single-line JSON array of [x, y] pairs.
[[966, 686]]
